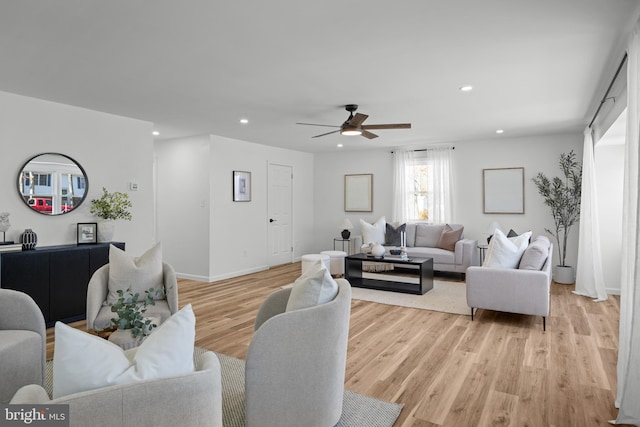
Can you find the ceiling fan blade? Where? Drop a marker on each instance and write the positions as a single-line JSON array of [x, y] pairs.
[[328, 133], [315, 124], [389, 126], [357, 120], [368, 134]]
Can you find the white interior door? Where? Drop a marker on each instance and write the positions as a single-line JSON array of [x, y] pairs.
[[280, 214]]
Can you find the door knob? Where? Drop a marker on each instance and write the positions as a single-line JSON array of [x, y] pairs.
[[272, 220]]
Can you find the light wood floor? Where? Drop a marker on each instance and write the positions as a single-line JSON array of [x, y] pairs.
[[499, 370]]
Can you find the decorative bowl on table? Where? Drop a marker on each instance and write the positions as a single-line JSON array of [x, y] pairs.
[[395, 251]]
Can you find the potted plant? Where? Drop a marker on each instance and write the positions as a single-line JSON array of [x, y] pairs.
[[131, 324], [562, 195], [110, 207]]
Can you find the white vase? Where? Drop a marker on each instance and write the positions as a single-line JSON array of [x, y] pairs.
[[378, 250], [564, 275], [106, 228]]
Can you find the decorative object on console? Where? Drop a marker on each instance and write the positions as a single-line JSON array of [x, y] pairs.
[[110, 207], [29, 239], [87, 233], [563, 196], [241, 186], [346, 225], [4, 226]]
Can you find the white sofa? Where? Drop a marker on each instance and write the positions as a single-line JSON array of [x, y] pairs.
[[512, 290], [422, 242]]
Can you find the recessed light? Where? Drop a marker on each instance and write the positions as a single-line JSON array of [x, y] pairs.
[[466, 88], [155, 133], [339, 145], [499, 131], [244, 121]]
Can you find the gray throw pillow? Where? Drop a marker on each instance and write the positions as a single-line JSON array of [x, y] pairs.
[[428, 235], [535, 255], [392, 235]]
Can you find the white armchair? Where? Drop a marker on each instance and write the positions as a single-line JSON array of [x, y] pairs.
[[296, 362], [99, 313], [193, 399], [22, 343]]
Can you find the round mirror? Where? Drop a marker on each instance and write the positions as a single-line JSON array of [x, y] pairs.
[[52, 184]]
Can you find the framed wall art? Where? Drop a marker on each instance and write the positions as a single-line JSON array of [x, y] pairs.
[[358, 193], [241, 186], [503, 190], [87, 233]]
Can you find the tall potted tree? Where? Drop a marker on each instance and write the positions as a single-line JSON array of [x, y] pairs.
[[562, 195]]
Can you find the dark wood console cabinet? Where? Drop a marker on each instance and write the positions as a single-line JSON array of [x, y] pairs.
[[56, 277]]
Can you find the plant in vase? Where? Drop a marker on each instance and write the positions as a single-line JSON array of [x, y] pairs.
[[563, 196], [110, 207], [131, 323]]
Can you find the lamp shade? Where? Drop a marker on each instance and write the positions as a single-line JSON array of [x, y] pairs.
[[346, 224], [492, 228]]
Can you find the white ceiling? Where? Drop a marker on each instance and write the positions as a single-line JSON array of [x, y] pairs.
[[198, 66]]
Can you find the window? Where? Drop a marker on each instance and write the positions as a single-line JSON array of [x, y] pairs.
[[418, 193]]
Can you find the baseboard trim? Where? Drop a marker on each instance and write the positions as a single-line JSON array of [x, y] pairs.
[[613, 291]]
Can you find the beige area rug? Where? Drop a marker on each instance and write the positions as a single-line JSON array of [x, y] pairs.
[[448, 297], [357, 411]]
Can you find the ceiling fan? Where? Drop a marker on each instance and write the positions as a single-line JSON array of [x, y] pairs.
[[353, 125]]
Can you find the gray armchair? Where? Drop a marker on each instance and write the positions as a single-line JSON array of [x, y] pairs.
[[23, 340], [193, 399], [99, 314], [296, 362]]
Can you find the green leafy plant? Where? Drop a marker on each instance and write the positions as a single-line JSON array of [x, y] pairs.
[[130, 309], [562, 195], [111, 206]]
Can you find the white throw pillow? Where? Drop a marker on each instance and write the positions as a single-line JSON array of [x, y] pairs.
[[82, 361], [138, 273], [373, 233], [314, 287], [505, 252]]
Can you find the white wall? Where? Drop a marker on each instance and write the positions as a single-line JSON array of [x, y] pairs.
[[609, 161], [226, 238], [113, 151], [535, 154]]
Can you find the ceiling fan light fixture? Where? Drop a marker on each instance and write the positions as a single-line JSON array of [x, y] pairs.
[[351, 132]]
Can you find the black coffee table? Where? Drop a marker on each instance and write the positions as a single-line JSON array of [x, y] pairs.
[[416, 275]]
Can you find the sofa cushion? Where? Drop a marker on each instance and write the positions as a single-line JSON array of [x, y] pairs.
[[314, 287], [373, 233], [504, 252], [440, 256], [392, 235], [138, 273], [535, 255], [428, 234], [82, 361], [449, 237], [411, 234]]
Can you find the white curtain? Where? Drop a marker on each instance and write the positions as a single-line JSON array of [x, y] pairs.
[[440, 174], [403, 178], [629, 341], [589, 277]]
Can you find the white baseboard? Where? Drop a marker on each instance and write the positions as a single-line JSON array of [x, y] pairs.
[[613, 291]]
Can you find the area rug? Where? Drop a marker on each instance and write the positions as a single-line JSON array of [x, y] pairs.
[[446, 296], [357, 410]]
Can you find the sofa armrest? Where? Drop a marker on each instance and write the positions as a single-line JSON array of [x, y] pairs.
[[275, 304], [170, 286], [30, 394], [510, 290], [97, 293], [466, 253]]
